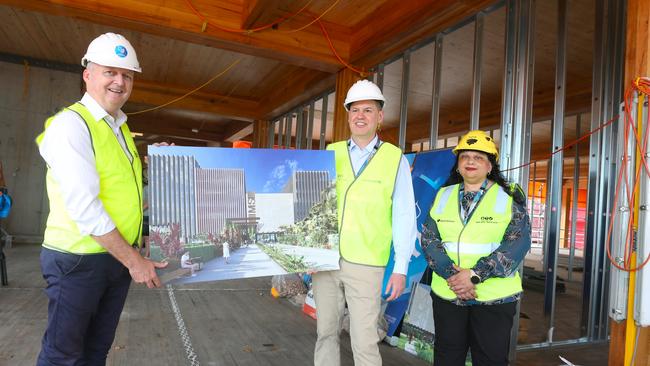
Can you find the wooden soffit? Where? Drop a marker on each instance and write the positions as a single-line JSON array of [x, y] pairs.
[[152, 93], [215, 27]]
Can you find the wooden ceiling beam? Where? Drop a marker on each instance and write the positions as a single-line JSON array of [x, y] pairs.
[[258, 13], [396, 25], [238, 131], [149, 127], [151, 93], [174, 19], [299, 88]]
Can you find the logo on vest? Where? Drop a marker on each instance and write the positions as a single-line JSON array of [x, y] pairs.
[[444, 220], [486, 220]]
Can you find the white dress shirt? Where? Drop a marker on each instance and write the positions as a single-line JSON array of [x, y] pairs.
[[404, 229], [67, 150]]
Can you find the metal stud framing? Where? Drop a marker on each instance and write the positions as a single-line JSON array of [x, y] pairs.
[[606, 90], [310, 125], [281, 130], [574, 206], [403, 109], [476, 75], [300, 128], [323, 122], [435, 92], [518, 89], [552, 220], [271, 135], [380, 76], [287, 128]]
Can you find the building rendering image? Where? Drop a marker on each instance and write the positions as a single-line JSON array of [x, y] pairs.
[[561, 86], [253, 208]]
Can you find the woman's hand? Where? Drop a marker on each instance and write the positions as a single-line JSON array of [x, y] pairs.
[[461, 284]]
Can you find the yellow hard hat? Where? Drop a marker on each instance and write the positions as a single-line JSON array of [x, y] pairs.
[[477, 140]]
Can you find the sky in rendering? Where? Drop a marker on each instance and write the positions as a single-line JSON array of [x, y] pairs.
[[266, 170]]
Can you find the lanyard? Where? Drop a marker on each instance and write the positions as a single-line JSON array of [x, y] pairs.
[[372, 153], [464, 215]]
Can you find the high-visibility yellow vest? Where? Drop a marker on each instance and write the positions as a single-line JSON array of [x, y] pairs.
[[466, 244], [365, 204], [120, 189]]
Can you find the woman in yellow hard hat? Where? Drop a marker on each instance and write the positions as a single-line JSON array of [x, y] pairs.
[[476, 235]]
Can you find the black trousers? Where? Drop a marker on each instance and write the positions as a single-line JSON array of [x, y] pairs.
[[484, 329], [86, 295]]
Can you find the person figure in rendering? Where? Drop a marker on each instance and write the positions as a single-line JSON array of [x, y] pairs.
[[476, 235], [376, 206], [94, 185], [226, 251], [187, 262]]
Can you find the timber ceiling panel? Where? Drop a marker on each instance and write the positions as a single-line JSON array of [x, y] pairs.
[[282, 67], [353, 13]]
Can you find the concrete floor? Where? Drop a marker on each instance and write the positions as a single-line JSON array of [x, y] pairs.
[[233, 322]]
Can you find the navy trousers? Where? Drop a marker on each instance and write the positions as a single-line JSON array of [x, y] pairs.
[[484, 329], [86, 296]]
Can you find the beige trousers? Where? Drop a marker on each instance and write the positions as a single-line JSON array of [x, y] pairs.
[[360, 287]]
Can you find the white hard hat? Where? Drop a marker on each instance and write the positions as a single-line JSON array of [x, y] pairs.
[[112, 50], [363, 90]]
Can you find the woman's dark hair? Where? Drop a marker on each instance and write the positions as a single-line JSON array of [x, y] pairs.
[[495, 175]]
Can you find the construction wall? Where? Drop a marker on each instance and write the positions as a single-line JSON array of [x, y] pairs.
[[28, 95]]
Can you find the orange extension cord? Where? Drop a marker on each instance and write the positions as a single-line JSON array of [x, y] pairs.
[[642, 85]]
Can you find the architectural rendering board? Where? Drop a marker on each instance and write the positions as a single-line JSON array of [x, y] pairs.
[[218, 213]]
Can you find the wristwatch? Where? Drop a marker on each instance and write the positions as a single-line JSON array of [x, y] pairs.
[[475, 278]]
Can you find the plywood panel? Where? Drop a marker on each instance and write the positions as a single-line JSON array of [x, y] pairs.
[[457, 61], [392, 90], [420, 86]]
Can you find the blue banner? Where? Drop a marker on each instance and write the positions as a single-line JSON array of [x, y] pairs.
[[429, 171]]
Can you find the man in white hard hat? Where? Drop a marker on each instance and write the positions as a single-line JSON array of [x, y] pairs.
[[375, 207], [94, 185]]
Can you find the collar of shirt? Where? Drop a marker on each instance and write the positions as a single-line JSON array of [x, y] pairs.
[[99, 113], [352, 146]]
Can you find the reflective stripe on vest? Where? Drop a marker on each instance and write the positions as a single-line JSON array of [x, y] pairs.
[[471, 248], [479, 238], [365, 204], [120, 189]]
